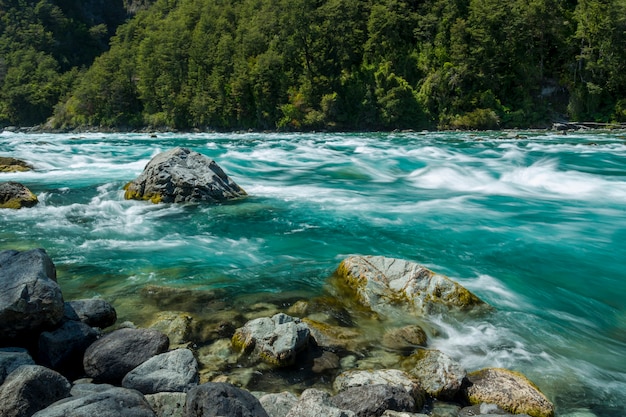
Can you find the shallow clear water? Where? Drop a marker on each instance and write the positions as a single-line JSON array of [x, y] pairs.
[[533, 224]]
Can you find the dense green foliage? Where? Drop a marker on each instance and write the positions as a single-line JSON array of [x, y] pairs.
[[321, 64], [43, 46]]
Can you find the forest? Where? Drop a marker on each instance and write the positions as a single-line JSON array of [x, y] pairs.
[[311, 64]]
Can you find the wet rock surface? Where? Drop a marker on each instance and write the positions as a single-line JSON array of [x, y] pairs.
[[183, 176]]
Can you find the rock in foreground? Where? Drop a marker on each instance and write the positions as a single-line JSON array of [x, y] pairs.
[[15, 195], [274, 340], [381, 283], [182, 176], [510, 390], [109, 359], [30, 300]]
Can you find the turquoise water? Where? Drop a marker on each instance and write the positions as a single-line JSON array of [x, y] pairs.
[[535, 224]]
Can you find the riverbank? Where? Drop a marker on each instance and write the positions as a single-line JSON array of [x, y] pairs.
[[411, 377]]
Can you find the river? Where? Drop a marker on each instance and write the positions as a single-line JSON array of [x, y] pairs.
[[533, 222]]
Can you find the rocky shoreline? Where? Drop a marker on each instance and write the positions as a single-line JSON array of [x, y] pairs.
[[72, 358]]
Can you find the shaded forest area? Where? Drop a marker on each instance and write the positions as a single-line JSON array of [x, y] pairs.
[[311, 64]]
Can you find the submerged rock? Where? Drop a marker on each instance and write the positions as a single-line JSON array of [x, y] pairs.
[[30, 300], [8, 164], [181, 175], [509, 390], [381, 283], [274, 340], [404, 339], [14, 195]]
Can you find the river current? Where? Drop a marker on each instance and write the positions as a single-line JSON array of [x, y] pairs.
[[534, 223]]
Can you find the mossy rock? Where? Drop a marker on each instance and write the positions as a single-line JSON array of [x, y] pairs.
[[8, 164], [510, 390], [14, 195], [382, 283], [183, 176]]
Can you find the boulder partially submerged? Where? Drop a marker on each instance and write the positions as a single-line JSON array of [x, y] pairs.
[[15, 195], [9, 164], [381, 283], [509, 390], [182, 176]]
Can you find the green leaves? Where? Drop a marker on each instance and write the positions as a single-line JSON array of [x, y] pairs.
[[325, 64]]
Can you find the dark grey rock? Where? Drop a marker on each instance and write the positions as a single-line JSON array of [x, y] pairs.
[[222, 399], [373, 400], [11, 359], [31, 388], [63, 349], [14, 195], [30, 300], [181, 175], [274, 340], [174, 371], [110, 358], [111, 402], [94, 312], [82, 388]]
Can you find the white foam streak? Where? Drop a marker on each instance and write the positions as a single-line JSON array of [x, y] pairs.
[[495, 292]]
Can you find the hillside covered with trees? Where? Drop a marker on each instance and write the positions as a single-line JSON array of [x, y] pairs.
[[312, 64]]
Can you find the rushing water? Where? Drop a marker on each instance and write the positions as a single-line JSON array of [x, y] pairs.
[[535, 224]]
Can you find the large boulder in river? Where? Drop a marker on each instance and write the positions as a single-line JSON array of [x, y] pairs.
[[509, 390], [182, 176], [8, 164], [15, 196], [30, 300], [382, 283]]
